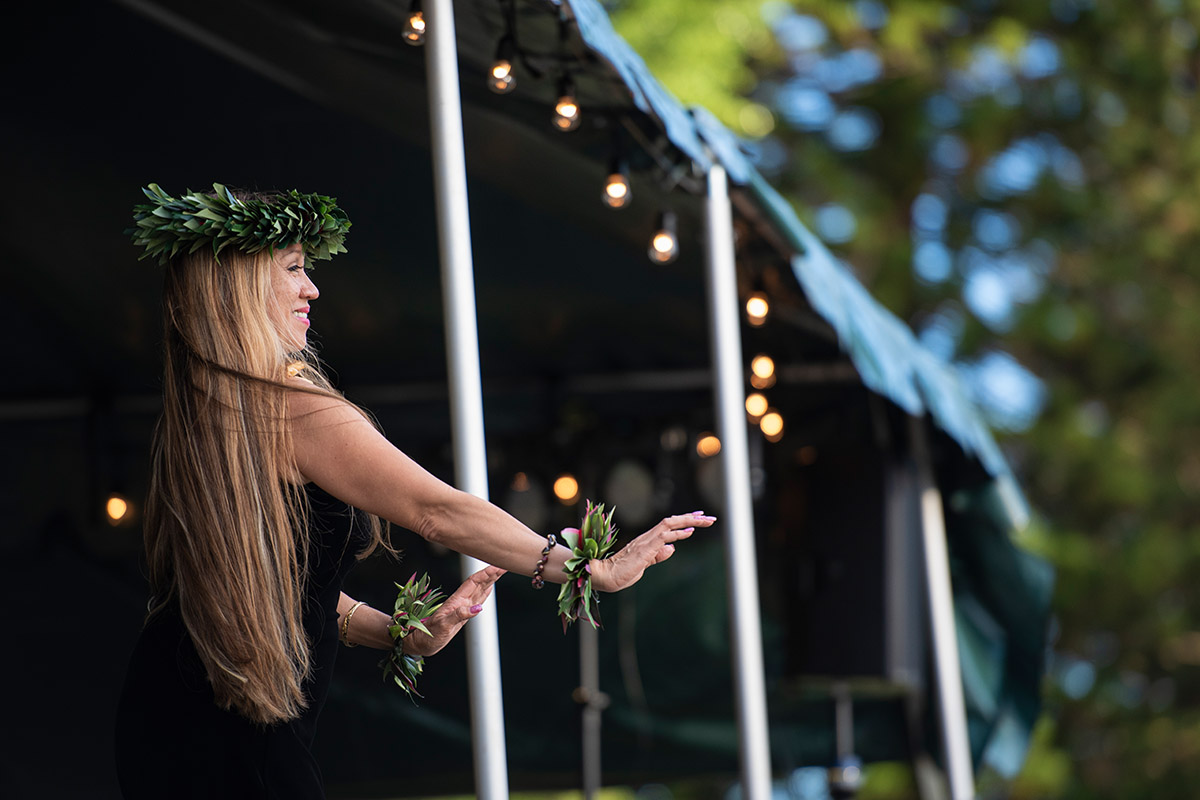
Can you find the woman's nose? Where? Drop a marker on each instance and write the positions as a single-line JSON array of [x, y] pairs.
[[309, 289]]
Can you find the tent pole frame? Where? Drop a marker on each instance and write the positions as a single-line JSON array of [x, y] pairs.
[[952, 714], [729, 396], [466, 394]]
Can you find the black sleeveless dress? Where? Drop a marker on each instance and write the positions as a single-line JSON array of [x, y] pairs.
[[172, 741]]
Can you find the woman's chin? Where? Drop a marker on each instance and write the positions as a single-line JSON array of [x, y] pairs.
[[296, 343]]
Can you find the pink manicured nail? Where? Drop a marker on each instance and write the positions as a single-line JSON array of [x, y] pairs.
[[475, 609], [686, 530], [697, 514]]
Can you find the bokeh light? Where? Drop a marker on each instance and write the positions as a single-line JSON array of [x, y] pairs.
[[566, 488]]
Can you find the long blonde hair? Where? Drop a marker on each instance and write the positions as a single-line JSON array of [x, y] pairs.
[[226, 524]]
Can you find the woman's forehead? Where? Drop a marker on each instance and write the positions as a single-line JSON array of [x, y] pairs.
[[290, 251]]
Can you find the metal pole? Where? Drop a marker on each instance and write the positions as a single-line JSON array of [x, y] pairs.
[[466, 394], [730, 399], [952, 711], [593, 703]]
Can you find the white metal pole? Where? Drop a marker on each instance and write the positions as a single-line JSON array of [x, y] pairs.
[[730, 398], [593, 705], [466, 394], [952, 712]]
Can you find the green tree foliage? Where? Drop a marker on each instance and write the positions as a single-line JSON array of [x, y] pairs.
[[1021, 182]]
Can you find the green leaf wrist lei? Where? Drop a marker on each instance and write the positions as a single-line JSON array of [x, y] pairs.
[[593, 539], [168, 226], [415, 603]]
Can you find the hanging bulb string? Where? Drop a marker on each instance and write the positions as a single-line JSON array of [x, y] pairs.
[[509, 49], [674, 173], [618, 193], [510, 23], [414, 26]]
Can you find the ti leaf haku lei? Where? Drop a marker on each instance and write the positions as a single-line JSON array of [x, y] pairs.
[[594, 539], [168, 226], [415, 603]]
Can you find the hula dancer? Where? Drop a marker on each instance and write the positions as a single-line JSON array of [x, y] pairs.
[[266, 486]]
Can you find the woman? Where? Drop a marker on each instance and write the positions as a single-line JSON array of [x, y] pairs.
[[256, 463]]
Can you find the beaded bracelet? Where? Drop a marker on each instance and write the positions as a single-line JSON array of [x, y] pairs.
[[346, 624], [592, 540], [538, 580], [415, 603]]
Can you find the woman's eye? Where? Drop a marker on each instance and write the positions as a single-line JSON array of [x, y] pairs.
[[295, 268]]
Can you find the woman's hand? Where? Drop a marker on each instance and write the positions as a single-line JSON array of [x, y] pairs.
[[655, 546], [447, 621]]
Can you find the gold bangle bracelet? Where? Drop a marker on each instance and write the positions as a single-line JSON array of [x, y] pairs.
[[346, 624]]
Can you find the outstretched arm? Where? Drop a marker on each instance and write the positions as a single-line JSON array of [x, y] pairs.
[[346, 456], [369, 626]]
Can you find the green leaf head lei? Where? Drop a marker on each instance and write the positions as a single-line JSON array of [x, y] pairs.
[[168, 226]]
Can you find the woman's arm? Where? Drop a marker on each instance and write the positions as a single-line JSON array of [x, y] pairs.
[[369, 626], [346, 456]]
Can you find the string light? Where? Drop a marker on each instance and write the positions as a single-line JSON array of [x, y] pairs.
[[414, 26], [772, 425], [762, 372], [566, 488], [616, 188], [756, 406], [757, 309], [116, 508], [566, 110], [500, 78], [707, 445], [664, 245]]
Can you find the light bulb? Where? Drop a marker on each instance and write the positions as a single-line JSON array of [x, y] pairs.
[[616, 190], [566, 488], [116, 508], [664, 245], [566, 110], [566, 113], [756, 406], [708, 445], [500, 77], [414, 26], [772, 425], [762, 372], [757, 309]]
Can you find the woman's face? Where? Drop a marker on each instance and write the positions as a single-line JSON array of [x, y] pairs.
[[291, 291]]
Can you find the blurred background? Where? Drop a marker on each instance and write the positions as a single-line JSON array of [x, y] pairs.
[[1017, 181]]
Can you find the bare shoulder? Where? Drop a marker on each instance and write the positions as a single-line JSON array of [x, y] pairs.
[[309, 408]]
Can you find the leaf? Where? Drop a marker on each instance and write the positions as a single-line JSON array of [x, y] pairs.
[[570, 537]]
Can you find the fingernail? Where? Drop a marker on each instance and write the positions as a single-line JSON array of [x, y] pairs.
[[475, 609], [686, 530], [697, 513]]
